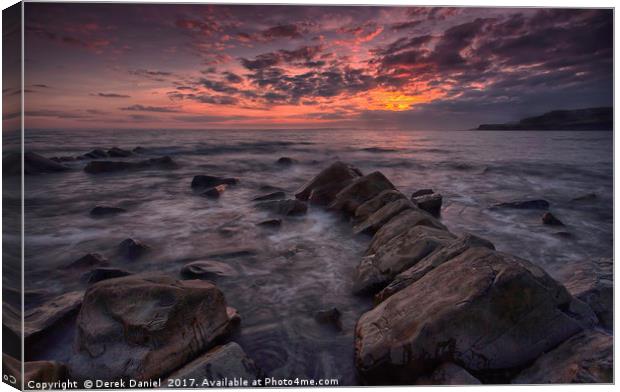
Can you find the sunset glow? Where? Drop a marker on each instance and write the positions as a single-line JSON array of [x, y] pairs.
[[207, 66]]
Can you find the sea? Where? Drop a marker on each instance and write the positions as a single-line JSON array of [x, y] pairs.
[[283, 277]]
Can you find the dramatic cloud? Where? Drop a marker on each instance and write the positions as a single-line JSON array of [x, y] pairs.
[[427, 67]]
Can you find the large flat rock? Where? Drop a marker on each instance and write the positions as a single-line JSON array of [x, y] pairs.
[[483, 309], [145, 326]]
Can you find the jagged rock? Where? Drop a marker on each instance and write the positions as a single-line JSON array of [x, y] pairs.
[[359, 191], [279, 195], [214, 192], [99, 274], [145, 326], [371, 206], [323, 195], [96, 153], [586, 197], [403, 251], [98, 167], [432, 261], [592, 282], [284, 207], [585, 358], [382, 216], [207, 269], [34, 371], [335, 177], [44, 317], [272, 223], [106, 210], [549, 219], [429, 203], [285, 161], [399, 224], [87, 261], [116, 152], [330, 317], [449, 374], [203, 181], [33, 164], [483, 309], [222, 362], [131, 249], [538, 204], [422, 192], [140, 150]]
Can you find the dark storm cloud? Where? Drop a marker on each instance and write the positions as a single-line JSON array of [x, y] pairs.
[[282, 31], [159, 76], [233, 77], [300, 56], [156, 109], [218, 86]]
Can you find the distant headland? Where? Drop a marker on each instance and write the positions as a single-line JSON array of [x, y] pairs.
[[591, 119]]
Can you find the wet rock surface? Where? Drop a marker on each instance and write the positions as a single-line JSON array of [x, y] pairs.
[[284, 207], [131, 249], [550, 219], [204, 181], [208, 269], [278, 195], [536, 204], [33, 164], [46, 316], [585, 358], [430, 203], [145, 326], [359, 191], [88, 261], [34, 371], [335, 177], [99, 274], [471, 310], [592, 282], [226, 361]]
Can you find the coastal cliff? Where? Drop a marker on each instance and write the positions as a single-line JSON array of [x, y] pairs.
[[591, 119]]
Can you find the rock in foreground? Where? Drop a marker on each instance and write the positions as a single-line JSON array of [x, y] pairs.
[[227, 361], [145, 326], [584, 358], [483, 309], [207, 269], [430, 203], [44, 317], [359, 191]]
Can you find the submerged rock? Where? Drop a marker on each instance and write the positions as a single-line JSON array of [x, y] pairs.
[[203, 181], [285, 161], [592, 282], [207, 269], [284, 207], [549, 219], [132, 249], [329, 317], [449, 374], [87, 261], [96, 153], [359, 191], [221, 362], [483, 309], [44, 317], [116, 152], [432, 261], [99, 274], [538, 204], [382, 216], [279, 195], [335, 177], [403, 251], [33, 164], [98, 167], [271, 223], [429, 203], [586, 197], [214, 192], [99, 211], [145, 326], [584, 358], [422, 192]]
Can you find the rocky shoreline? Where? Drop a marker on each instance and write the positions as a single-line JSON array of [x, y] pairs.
[[448, 309]]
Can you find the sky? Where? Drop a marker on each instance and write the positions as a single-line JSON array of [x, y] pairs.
[[267, 67]]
